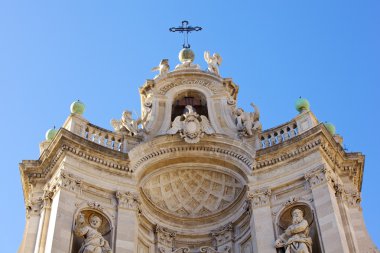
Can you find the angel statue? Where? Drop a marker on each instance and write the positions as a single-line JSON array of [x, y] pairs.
[[296, 238], [93, 242], [247, 121], [213, 62], [163, 68], [131, 125]]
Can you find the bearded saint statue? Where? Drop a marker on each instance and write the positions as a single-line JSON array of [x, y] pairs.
[[296, 238]]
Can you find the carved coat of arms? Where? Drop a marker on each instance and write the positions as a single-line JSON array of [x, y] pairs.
[[191, 126]]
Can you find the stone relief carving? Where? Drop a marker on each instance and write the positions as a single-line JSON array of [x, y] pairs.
[[33, 207], [191, 126], [351, 198], [207, 249], [192, 192], [247, 122], [133, 127], [213, 62], [222, 235], [89, 229], [189, 83], [163, 68], [165, 236], [296, 238], [259, 197], [128, 200]]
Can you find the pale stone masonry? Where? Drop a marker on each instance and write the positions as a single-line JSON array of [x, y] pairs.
[[195, 173]]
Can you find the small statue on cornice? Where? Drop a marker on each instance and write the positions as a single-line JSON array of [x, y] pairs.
[[191, 126], [247, 122], [163, 68], [213, 62], [131, 125]]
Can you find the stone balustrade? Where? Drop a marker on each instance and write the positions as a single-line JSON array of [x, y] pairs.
[[101, 136], [278, 134]]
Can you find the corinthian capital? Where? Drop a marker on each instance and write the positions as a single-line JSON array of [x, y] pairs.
[[33, 207], [259, 197], [128, 200]]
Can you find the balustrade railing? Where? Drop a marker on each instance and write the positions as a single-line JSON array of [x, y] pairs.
[[103, 137], [279, 134]]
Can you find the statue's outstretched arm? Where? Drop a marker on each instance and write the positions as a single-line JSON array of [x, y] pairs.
[[256, 112]]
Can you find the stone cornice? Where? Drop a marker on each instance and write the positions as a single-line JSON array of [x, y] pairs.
[[69, 143], [317, 138], [218, 145]]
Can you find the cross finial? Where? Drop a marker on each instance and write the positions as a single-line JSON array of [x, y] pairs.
[[185, 29]]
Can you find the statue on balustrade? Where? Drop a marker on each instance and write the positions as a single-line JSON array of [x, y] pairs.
[[93, 239], [296, 238], [247, 121], [131, 125]]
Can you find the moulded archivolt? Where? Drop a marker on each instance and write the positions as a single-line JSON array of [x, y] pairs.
[[192, 192]]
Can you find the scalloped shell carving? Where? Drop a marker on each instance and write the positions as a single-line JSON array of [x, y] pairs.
[[192, 192]]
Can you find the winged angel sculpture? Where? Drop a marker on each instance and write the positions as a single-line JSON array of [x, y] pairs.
[[191, 126], [129, 124], [213, 62], [247, 121]]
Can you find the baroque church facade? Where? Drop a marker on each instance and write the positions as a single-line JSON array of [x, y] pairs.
[[195, 173]]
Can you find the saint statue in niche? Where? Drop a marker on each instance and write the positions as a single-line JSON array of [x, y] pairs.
[[94, 241], [296, 238]]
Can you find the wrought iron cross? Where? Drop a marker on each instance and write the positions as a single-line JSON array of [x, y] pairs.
[[185, 29]]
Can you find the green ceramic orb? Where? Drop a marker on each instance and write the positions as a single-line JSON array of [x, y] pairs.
[[302, 104], [77, 107], [330, 127], [50, 134], [186, 55]]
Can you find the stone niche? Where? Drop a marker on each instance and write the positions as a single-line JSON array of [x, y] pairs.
[[189, 97], [285, 220], [105, 229]]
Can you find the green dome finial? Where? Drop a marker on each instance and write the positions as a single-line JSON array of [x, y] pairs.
[[330, 127], [51, 133], [302, 104], [77, 107], [186, 55]]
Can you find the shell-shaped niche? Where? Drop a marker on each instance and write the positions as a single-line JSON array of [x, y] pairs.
[[192, 192]]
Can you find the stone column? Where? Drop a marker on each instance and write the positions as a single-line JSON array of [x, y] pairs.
[[127, 222], [322, 181], [33, 211], [60, 224], [261, 221], [45, 217]]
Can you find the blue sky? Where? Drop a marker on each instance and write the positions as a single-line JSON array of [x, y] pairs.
[[54, 52]]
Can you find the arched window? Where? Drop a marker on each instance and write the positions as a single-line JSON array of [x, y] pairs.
[[190, 97]]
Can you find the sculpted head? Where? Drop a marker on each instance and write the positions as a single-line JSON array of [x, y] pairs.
[[127, 115], [297, 215], [95, 221]]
